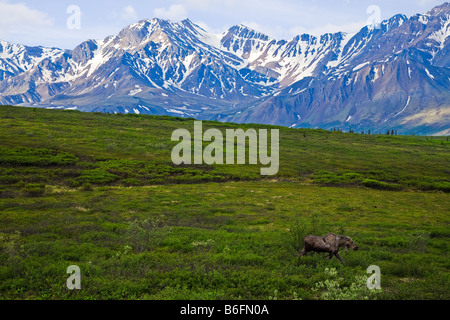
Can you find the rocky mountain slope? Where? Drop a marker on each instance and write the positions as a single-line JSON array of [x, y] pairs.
[[396, 76]]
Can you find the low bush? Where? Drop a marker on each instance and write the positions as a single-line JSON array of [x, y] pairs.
[[147, 234], [9, 179], [332, 178], [380, 185], [35, 157], [332, 289], [34, 189], [97, 176], [443, 186]]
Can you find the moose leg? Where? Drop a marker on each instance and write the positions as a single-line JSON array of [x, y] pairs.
[[302, 253], [339, 258]]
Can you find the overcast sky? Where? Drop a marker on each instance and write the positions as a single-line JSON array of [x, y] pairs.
[[45, 22]]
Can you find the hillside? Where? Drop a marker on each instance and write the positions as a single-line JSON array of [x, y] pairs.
[[99, 191], [113, 143]]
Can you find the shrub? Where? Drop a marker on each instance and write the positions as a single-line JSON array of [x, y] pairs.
[[9, 244], [203, 244], [147, 234], [331, 289], [87, 187], [97, 176], [9, 179], [73, 183], [303, 226], [324, 177], [37, 157], [332, 178], [443, 186], [380, 185], [430, 185], [34, 190], [419, 240], [131, 182]]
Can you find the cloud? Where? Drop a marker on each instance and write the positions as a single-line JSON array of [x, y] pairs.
[[351, 27], [428, 3], [18, 16], [275, 32], [175, 12], [278, 32], [206, 5], [21, 24], [128, 13], [209, 29]]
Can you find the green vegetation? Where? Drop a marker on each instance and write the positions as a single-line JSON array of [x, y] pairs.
[[331, 289], [99, 191]]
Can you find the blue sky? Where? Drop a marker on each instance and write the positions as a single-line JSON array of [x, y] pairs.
[[44, 22]]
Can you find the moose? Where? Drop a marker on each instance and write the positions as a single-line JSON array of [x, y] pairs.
[[329, 244]]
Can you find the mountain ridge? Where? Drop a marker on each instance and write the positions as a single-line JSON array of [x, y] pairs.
[[396, 75]]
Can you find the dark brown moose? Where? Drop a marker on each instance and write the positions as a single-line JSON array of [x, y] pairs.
[[329, 244]]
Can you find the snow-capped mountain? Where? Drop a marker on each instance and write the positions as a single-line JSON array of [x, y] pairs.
[[16, 59], [395, 76]]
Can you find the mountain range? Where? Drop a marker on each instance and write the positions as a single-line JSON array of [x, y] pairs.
[[393, 76]]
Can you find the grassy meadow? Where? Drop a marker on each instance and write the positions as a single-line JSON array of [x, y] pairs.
[[100, 191]]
